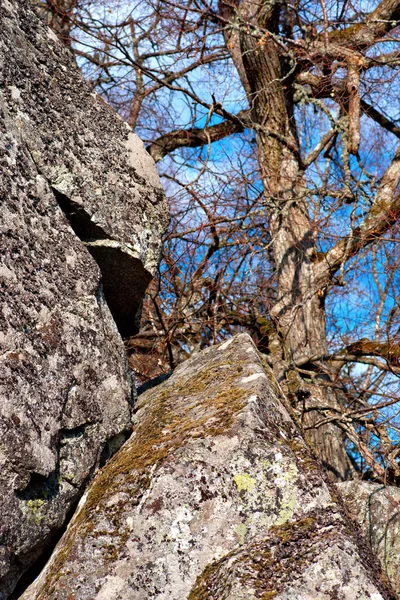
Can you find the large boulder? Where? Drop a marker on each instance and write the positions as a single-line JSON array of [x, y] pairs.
[[376, 508], [214, 496], [82, 214]]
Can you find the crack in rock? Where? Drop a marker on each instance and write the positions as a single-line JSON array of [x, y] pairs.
[[123, 276]]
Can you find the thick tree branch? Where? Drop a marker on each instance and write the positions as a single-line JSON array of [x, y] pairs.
[[352, 358], [228, 15], [361, 36], [383, 121], [352, 88], [196, 137], [390, 351]]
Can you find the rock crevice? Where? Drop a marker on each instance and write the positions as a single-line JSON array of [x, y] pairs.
[[124, 279]]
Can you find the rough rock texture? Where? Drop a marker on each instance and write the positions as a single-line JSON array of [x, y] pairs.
[[377, 509], [82, 214], [215, 495]]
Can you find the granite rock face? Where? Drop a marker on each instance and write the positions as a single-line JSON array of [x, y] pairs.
[[377, 510], [214, 496], [82, 213]]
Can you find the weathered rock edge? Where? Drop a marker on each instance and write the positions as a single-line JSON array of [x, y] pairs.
[[376, 509], [104, 180], [82, 213], [215, 495]]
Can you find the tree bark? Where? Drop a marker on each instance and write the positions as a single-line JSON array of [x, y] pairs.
[[299, 311]]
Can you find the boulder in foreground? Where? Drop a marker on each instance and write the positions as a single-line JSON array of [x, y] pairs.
[[215, 496]]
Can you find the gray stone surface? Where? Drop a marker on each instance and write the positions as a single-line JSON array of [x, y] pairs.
[[214, 496], [82, 214], [377, 510]]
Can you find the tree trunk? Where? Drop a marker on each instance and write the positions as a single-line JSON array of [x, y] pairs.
[[299, 311]]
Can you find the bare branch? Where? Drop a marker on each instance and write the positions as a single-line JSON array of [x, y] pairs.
[[319, 148], [391, 59], [353, 82], [384, 212]]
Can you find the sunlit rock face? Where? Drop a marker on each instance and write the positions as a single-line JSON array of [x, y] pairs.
[[214, 496], [82, 214]]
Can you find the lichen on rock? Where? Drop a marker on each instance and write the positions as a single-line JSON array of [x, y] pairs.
[[214, 496], [82, 218], [376, 508]]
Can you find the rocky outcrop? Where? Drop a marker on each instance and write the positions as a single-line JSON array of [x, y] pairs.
[[82, 217], [214, 496], [377, 510]]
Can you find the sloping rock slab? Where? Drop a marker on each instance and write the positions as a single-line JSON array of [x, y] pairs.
[[377, 510], [81, 219], [215, 495]]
